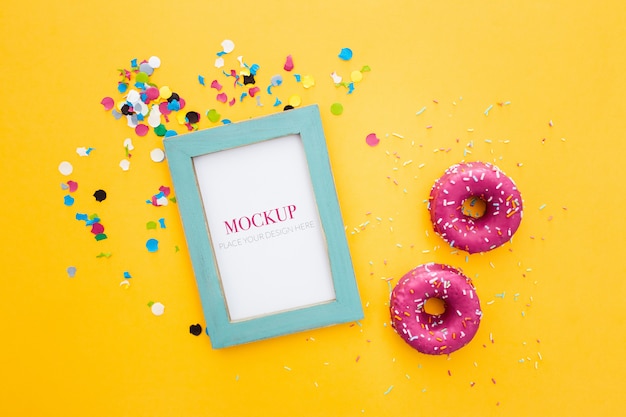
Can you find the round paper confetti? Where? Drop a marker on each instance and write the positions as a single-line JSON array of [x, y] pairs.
[[152, 245], [345, 54], [228, 46], [146, 68], [336, 109], [371, 139], [157, 309], [154, 61], [295, 100], [356, 76], [100, 195], [108, 103], [71, 271], [125, 164], [68, 200], [72, 186], [213, 115], [141, 130], [66, 168], [97, 228], [308, 81], [195, 329], [157, 155], [165, 93]]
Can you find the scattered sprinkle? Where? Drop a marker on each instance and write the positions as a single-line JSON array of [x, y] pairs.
[[71, 271]]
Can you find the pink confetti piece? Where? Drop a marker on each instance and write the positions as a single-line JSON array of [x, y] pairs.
[[232, 102], [152, 93], [288, 63], [163, 108], [222, 98], [141, 129], [215, 84], [371, 139], [108, 103], [97, 228], [165, 190], [253, 91], [72, 185]]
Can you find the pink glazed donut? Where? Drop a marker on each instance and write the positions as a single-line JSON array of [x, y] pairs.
[[502, 215], [442, 333]]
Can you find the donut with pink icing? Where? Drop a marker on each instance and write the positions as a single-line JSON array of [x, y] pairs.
[[475, 180], [441, 333]]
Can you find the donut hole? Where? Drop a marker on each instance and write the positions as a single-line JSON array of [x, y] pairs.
[[434, 306], [474, 207]]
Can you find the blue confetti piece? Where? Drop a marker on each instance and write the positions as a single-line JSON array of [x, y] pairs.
[[82, 216], [201, 79], [345, 54], [170, 133], [68, 200], [243, 95], [152, 245], [226, 121], [140, 85], [277, 102], [350, 88], [133, 62], [162, 223], [173, 105], [221, 53], [254, 69], [297, 77], [127, 275], [122, 87]]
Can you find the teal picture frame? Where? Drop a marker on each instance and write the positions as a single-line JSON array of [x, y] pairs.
[[183, 154]]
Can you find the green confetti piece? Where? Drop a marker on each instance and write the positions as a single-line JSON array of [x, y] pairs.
[[213, 115], [336, 109], [151, 225]]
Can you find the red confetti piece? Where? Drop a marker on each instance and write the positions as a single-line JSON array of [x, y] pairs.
[[222, 98]]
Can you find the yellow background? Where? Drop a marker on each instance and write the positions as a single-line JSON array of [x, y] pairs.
[[553, 334]]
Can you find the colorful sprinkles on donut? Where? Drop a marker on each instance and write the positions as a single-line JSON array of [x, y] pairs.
[[461, 187], [443, 332]]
